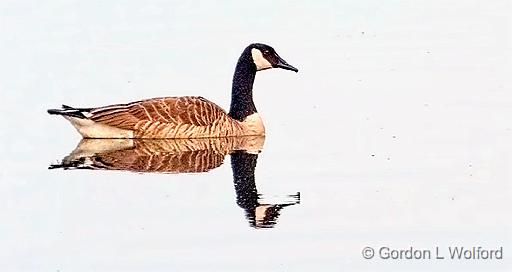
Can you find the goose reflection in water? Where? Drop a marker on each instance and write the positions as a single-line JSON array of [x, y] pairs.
[[185, 156]]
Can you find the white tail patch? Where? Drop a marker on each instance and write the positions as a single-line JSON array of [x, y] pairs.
[[91, 129], [261, 62]]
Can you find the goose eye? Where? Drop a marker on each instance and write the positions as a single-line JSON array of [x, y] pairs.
[[266, 52]]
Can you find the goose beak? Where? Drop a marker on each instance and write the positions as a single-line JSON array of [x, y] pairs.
[[281, 63]]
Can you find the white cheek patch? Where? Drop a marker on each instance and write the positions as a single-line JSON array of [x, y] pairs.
[[259, 60]]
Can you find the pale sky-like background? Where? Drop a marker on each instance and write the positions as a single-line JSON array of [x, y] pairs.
[[425, 86]]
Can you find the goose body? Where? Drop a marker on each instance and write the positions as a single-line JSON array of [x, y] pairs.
[[183, 117], [166, 117]]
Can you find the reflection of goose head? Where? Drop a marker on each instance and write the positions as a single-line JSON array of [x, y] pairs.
[[183, 156], [260, 215]]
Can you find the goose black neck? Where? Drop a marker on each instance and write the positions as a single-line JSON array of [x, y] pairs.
[[242, 104]]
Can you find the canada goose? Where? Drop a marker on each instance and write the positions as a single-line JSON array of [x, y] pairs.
[[183, 117]]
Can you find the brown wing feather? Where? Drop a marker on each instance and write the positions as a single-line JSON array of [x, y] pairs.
[[190, 110]]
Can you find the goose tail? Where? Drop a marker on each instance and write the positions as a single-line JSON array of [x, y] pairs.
[[71, 111]]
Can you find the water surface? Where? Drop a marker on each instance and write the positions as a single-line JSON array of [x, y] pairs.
[[395, 132]]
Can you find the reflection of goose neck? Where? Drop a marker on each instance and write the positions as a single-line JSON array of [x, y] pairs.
[[258, 214], [243, 165]]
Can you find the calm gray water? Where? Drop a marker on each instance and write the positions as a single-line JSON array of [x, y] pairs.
[[396, 132]]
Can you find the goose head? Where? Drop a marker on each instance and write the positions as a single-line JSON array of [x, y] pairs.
[[265, 57]]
